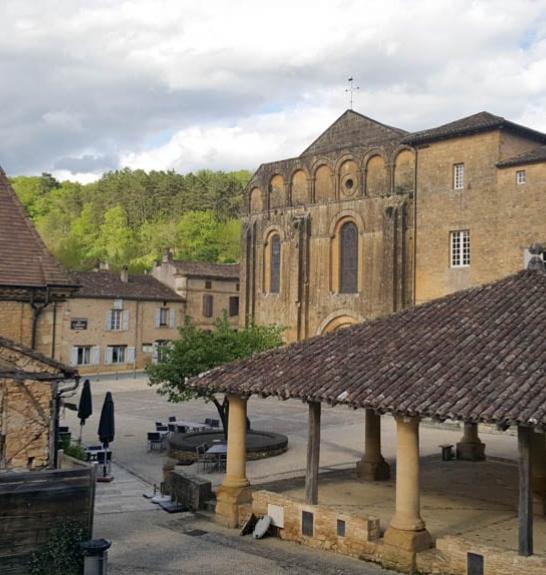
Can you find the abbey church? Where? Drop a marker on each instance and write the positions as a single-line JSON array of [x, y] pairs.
[[371, 219]]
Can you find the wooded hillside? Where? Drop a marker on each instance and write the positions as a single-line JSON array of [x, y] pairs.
[[129, 217]]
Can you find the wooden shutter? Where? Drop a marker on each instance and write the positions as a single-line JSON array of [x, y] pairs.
[[158, 317], [74, 356], [108, 355], [130, 355], [233, 306], [125, 320], [207, 305], [275, 265], [108, 326], [348, 258], [95, 355], [172, 317]]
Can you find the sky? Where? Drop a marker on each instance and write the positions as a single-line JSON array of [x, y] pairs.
[[89, 86]]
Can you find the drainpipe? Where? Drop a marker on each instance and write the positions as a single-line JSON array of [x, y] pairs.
[[37, 308], [56, 407], [415, 226], [54, 334]]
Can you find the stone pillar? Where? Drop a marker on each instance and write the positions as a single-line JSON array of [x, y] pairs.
[[538, 466], [372, 466], [406, 534], [235, 490], [470, 448]]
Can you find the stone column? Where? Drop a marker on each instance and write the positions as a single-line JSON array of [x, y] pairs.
[[406, 534], [470, 448], [235, 490], [538, 466], [372, 466]]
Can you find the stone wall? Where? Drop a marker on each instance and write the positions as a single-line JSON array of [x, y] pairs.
[[451, 556], [361, 532]]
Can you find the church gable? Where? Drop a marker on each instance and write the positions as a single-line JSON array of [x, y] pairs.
[[353, 129]]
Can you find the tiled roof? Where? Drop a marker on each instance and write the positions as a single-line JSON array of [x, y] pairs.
[[475, 124], [475, 355], [206, 270], [105, 284], [24, 259], [14, 362], [530, 157]]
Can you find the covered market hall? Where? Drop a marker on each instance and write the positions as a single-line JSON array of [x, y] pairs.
[[476, 357]]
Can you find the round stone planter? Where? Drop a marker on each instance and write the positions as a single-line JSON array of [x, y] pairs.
[[259, 444]]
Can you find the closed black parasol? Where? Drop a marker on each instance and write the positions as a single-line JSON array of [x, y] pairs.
[[85, 407], [106, 425]]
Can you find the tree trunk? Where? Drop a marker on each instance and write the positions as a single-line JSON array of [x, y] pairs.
[[223, 412]]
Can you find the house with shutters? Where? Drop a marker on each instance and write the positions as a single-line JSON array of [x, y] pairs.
[[118, 322]]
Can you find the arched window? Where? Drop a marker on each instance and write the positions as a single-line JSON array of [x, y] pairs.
[[348, 258], [275, 265]]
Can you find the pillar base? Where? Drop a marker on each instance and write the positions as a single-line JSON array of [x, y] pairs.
[[474, 451], [400, 547], [373, 470], [229, 501]]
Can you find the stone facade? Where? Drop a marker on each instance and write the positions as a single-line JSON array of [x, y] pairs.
[[197, 283], [400, 196], [140, 334], [28, 383]]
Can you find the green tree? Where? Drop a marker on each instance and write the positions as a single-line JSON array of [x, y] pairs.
[[196, 351], [115, 242]]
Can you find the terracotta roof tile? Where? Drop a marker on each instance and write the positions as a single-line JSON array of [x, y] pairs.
[[475, 124], [206, 270], [106, 284], [24, 259], [476, 355]]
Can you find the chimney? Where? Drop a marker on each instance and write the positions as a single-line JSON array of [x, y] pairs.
[[124, 275], [167, 256], [536, 261]]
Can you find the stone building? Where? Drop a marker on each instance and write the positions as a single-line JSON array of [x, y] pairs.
[[33, 285], [117, 321], [370, 219], [29, 382], [209, 290]]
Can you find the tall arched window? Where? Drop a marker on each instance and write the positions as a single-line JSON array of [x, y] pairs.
[[348, 258], [275, 265]]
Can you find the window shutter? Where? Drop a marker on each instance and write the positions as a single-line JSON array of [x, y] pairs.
[[74, 356], [108, 356], [125, 320], [95, 355], [158, 317], [130, 355], [172, 319], [155, 354], [108, 326]]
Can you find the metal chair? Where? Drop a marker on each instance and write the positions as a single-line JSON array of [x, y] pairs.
[[154, 440], [181, 429], [202, 459], [172, 418], [158, 424]]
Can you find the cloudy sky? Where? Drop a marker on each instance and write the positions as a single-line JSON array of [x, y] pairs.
[[92, 85]]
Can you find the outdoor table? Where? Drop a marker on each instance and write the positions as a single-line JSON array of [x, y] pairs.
[[192, 425], [217, 455]]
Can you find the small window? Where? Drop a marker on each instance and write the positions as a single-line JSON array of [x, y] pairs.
[[118, 353], [237, 286], [520, 177], [208, 284], [207, 305], [83, 355], [458, 177], [275, 272], [460, 249], [307, 519], [233, 306], [162, 346], [163, 317], [340, 528], [116, 316]]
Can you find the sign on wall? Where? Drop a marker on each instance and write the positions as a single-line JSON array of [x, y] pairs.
[[78, 324]]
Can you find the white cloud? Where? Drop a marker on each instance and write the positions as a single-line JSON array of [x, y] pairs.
[[232, 83]]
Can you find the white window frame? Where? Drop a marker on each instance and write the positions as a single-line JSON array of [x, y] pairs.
[[116, 320], [116, 357], [164, 317], [83, 354], [521, 177], [459, 242], [458, 176]]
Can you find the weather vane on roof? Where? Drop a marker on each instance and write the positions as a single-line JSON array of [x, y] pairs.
[[350, 90]]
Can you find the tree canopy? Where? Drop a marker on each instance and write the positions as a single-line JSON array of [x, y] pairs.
[[128, 217], [196, 351]]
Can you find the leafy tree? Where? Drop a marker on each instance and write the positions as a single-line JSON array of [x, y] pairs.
[[196, 351]]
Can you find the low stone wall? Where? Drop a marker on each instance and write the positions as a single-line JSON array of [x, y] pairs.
[[326, 527], [190, 490], [451, 557]]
